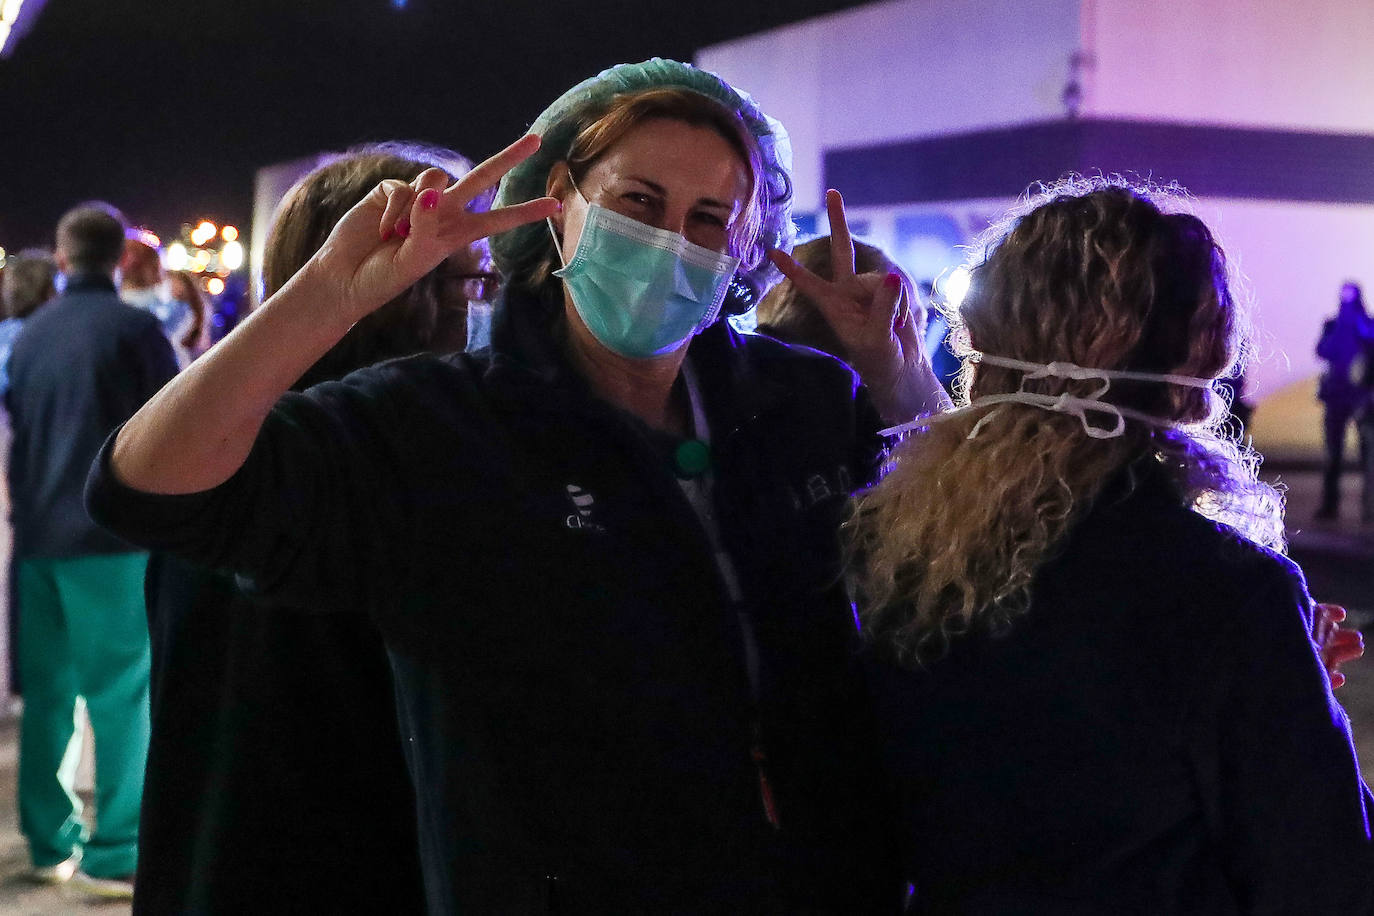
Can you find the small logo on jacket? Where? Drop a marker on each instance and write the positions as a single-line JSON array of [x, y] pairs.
[[583, 503], [820, 487]]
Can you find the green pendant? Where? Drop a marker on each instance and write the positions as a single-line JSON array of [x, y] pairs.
[[692, 458]]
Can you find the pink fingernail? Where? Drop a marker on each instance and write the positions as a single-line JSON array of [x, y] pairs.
[[901, 319], [892, 281], [429, 199], [403, 227]]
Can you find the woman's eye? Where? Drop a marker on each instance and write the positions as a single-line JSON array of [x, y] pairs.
[[711, 219], [636, 197]]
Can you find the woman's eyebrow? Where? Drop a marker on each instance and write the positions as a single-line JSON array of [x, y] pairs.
[[651, 185], [662, 192]]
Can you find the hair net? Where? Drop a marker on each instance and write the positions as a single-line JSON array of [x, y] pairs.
[[559, 124]]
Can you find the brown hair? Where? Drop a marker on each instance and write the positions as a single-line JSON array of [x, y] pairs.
[[600, 128], [788, 315], [140, 265], [412, 322], [1089, 272], [195, 301], [91, 237], [26, 283]]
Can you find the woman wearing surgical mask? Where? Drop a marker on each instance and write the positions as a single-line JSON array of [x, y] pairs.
[[1096, 675], [602, 551]]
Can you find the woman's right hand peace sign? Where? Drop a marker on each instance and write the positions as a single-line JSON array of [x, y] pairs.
[[401, 231], [870, 313], [872, 316]]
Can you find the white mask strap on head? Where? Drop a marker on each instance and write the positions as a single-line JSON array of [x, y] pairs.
[[1066, 370], [1066, 403], [562, 262]]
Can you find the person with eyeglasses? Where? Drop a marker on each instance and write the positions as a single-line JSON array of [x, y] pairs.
[[276, 779], [476, 286]]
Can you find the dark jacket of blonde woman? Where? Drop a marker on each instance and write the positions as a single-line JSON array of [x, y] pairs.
[[1155, 735]]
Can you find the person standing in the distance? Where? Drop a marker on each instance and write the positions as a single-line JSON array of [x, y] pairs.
[[27, 282], [1346, 346], [193, 338], [143, 283], [83, 364]]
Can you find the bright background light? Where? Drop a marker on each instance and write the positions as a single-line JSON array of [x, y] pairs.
[[215, 286], [175, 257], [231, 256], [204, 232], [954, 286]]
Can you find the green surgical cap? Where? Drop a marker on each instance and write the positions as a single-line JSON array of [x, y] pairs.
[[521, 248]]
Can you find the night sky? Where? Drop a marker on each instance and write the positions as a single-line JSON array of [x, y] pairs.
[[167, 109]]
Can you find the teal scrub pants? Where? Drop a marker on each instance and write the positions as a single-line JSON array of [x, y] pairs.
[[83, 632]]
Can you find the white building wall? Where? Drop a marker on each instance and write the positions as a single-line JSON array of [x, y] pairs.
[[1257, 63], [922, 68], [908, 68]]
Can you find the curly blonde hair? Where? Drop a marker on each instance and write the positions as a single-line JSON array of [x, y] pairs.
[[1097, 272]]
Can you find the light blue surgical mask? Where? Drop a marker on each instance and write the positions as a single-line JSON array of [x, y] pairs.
[[479, 325], [642, 291]]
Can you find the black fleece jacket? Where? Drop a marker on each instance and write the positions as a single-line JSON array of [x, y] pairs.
[[1156, 735], [570, 673]]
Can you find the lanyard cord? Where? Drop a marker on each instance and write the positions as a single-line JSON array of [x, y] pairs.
[[699, 493]]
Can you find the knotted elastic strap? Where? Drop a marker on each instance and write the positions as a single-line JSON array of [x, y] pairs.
[[1066, 403]]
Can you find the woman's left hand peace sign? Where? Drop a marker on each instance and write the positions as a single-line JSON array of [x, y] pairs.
[[874, 315]]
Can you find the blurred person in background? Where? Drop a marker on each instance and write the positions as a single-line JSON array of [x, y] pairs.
[[184, 286], [142, 283], [27, 282], [1347, 347], [1097, 676], [276, 777], [82, 365]]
